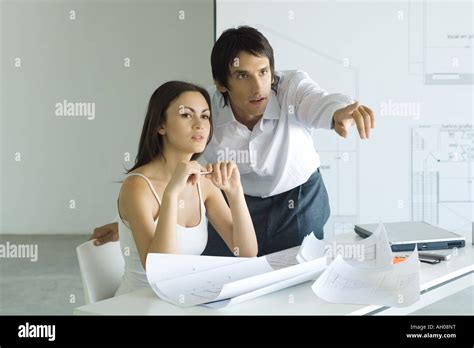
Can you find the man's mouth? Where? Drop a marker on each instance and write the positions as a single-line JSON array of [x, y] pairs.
[[257, 101]]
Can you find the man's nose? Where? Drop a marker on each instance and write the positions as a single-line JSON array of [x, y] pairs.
[[256, 85]]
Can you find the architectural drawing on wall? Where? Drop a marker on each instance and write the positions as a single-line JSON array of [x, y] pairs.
[[441, 41], [448, 42], [442, 176]]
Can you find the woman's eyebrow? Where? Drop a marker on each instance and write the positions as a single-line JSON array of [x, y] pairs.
[[190, 108]]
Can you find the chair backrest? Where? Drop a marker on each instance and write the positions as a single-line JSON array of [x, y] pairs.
[[102, 268]]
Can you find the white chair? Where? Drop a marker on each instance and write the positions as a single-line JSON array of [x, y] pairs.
[[102, 268]]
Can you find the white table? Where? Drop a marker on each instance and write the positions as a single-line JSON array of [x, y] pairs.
[[437, 281]]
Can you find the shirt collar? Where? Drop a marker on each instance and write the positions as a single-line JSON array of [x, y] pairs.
[[224, 113], [272, 111]]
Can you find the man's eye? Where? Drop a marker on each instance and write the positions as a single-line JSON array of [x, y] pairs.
[[241, 76]]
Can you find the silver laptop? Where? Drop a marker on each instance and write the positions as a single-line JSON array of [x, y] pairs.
[[404, 235]]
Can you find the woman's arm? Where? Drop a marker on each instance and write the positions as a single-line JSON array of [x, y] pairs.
[[164, 240], [234, 225], [136, 206]]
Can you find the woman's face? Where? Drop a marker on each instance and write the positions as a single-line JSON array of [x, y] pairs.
[[187, 124]]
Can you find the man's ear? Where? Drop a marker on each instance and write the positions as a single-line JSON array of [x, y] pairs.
[[220, 87]]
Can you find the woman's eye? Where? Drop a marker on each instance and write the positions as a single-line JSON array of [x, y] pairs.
[[206, 117], [185, 115], [264, 72]]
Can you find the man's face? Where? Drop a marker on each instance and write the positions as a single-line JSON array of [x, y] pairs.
[[250, 84]]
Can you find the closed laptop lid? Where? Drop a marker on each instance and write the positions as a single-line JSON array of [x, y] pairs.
[[411, 232]]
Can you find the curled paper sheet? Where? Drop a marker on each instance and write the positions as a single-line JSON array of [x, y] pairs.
[[394, 285], [374, 251], [312, 248], [312, 269], [189, 280]]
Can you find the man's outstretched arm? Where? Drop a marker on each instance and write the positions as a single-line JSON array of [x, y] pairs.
[[316, 108]]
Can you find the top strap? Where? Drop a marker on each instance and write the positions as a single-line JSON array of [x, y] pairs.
[[149, 184], [156, 194], [200, 193]]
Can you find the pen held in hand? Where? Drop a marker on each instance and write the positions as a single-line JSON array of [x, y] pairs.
[[201, 173]]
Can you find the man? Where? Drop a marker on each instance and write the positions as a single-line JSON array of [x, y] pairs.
[[263, 121]]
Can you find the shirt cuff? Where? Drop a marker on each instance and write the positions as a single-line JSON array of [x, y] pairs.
[[328, 123]]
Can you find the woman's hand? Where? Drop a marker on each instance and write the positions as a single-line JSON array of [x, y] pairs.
[[225, 176], [186, 173]]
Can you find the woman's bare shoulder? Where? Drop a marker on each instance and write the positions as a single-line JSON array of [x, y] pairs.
[[208, 189], [135, 190]]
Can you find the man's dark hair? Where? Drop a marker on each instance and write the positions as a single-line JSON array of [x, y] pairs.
[[230, 44]]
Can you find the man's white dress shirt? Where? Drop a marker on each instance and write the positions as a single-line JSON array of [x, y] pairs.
[[278, 154]]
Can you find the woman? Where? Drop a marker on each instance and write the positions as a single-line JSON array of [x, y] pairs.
[[164, 201]]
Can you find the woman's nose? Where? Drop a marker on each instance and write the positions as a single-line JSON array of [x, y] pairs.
[[198, 124]]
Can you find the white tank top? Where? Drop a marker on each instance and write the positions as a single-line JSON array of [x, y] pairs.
[[190, 240]]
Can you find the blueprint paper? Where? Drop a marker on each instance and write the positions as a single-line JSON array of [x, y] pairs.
[[195, 280], [395, 285], [315, 268], [312, 248]]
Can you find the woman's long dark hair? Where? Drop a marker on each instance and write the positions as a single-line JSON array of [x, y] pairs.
[[151, 142]]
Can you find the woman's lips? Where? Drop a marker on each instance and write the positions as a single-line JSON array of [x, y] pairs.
[[198, 138]]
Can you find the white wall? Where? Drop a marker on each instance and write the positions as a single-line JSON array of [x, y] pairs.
[[48, 161]]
